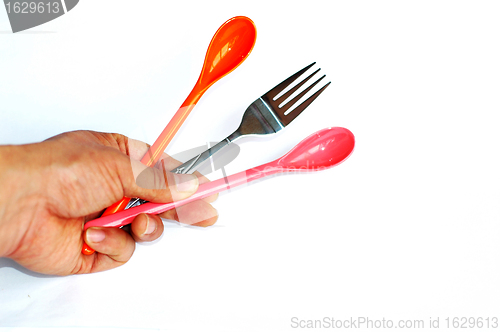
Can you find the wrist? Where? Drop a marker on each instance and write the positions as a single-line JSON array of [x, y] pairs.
[[18, 185]]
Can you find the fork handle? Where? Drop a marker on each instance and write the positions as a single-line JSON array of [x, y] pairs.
[[194, 163]]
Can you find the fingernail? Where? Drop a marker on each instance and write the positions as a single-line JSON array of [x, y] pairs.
[[95, 235], [186, 182], [151, 226]]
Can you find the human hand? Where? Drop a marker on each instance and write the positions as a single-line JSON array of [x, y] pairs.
[[50, 189]]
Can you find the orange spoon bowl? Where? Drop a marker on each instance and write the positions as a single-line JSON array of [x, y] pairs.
[[230, 46]]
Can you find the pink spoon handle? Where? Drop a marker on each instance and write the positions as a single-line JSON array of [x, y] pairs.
[[321, 150], [125, 217]]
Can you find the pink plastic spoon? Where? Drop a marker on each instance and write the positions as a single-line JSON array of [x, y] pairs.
[[323, 149]]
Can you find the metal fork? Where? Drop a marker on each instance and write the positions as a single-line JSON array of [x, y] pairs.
[[264, 116]]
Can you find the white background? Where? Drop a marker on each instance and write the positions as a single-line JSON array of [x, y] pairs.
[[407, 228]]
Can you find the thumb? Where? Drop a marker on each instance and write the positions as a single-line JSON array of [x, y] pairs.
[[159, 185]]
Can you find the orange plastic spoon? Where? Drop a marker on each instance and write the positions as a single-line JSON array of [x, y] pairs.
[[230, 46]]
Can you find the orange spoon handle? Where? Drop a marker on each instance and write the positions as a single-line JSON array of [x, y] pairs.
[[156, 150]]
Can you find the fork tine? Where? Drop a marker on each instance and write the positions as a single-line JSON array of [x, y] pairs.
[[295, 88], [280, 87], [293, 114], [300, 95]]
